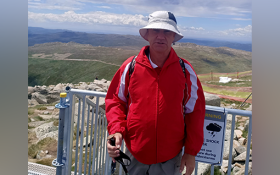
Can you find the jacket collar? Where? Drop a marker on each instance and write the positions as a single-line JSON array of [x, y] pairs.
[[143, 57]]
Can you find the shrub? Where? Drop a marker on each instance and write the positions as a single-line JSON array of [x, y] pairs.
[[42, 108]]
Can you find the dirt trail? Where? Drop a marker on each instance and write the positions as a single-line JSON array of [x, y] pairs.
[[232, 98]]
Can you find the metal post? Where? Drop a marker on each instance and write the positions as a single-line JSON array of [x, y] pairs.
[[62, 106]]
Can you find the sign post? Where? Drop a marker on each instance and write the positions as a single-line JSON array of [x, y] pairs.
[[214, 133]]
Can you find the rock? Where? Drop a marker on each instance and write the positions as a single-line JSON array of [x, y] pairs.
[[246, 127], [238, 133], [50, 107], [53, 97], [46, 112], [229, 121], [47, 117], [36, 123], [84, 141], [41, 99], [241, 157], [235, 144], [226, 151], [53, 134], [32, 102], [212, 100], [241, 128], [224, 166], [235, 170], [44, 129], [48, 156], [30, 90], [47, 152], [242, 141], [240, 149], [32, 119], [228, 134], [59, 87]]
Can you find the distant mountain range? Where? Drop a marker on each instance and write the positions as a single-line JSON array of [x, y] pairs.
[[37, 35]]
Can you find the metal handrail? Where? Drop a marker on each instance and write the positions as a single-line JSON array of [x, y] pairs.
[[101, 164]]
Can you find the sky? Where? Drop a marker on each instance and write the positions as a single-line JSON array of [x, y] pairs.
[[229, 20]]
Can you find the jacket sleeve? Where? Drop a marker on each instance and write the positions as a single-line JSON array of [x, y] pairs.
[[194, 107], [116, 101]]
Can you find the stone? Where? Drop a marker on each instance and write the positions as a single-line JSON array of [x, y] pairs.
[[240, 149], [41, 99], [238, 133], [59, 87], [203, 168], [35, 123], [47, 152], [241, 128], [242, 141], [226, 151], [212, 100], [241, 157], [235, 144], [44, 129], [46, 112], [53, 134], [235, 170], [84, 141], [229, 121], [246, 127], [53, 97], [32, 119], [224, 166], [32, 102], [47, 117], [30, 89], [50, 107], [228, 135]]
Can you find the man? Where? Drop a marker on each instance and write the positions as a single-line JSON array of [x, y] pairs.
[[159, 108]]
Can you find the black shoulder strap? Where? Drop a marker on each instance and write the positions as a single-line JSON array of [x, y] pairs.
[[182, 65], [131, 66]]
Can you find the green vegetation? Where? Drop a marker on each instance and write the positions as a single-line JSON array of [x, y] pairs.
[[42, 108], [47, 72], [30, 111], [45, 161], [237, 103], [38, 118], [216, 171], [45, 69], [228, 93], [244, 81], [46, 143]]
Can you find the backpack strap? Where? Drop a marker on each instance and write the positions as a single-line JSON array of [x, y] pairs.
[[182, 66], [132, 65]]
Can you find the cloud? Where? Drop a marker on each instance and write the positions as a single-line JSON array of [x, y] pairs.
[[104, 7], [97, 17], [242, 19], [185, 29], [246, 31], [190, 8]]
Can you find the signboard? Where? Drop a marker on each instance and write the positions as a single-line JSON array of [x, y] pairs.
[[214, 133]]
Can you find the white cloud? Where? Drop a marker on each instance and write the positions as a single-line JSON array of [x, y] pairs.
[[97, 17], [187, 29], [190, 8], [246, 31], [104, 7], [242, 19]]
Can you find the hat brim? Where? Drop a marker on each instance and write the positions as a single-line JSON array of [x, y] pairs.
[[164, 26]]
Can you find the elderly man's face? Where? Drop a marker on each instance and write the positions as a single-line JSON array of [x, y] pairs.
[[160, 40]]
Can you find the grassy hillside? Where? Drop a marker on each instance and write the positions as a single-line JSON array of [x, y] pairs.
[[47, 72], [51, 63]]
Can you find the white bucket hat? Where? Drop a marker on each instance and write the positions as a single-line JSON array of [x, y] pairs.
[[162, 20]]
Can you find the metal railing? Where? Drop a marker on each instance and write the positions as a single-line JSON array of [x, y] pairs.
[[82, 135]]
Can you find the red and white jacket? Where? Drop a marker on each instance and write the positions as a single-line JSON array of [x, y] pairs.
[[151, 118]]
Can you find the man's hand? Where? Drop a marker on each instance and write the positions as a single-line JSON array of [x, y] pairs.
[[188, 161], [113, 151]]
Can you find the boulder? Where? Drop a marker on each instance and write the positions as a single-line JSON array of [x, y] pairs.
[[44, 129], [32, 102], [238, 133], [235, 170], [228, 135], [53, 97], [246, 127], [59, 87], [242, 141], [236, 144], [35, 123], [242, 157], [30, 90], [226, 151], [224, 166], [41, 99], [52, 134], [240, 149], [212, 100]]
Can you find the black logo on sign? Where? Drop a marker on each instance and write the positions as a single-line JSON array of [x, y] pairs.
[[213, 128]]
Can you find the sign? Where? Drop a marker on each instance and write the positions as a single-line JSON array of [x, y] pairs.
[[214, 133]]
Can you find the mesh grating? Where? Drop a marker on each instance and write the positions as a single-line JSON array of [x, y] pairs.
[[38, 169]]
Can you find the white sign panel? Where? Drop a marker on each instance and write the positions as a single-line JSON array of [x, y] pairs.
[[214, 133]]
